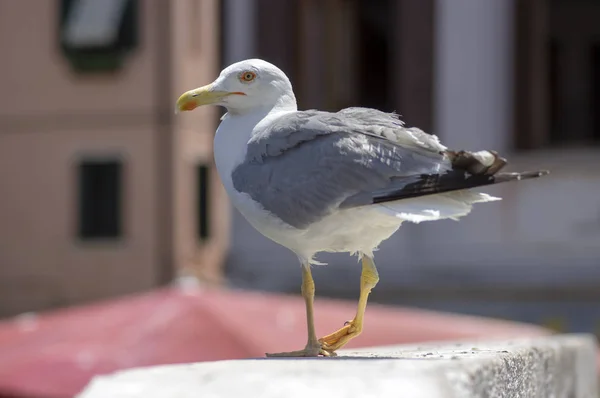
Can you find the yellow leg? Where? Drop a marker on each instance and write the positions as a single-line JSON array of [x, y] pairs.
[[313, 347], [368, 279]]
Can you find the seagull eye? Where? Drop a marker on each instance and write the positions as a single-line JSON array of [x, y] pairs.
[[247, 77]]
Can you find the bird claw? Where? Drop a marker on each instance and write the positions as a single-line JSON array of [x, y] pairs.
[[310, 351], [341, 337]]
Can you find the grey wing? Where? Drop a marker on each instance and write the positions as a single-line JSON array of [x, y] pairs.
[[388, 126], [293, 129], [306, 165]]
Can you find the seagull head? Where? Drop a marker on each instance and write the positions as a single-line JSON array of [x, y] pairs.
[[243, 87]]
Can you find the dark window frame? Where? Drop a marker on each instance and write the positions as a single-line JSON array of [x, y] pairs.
[[100, 199], [109, 58], [202, 175]]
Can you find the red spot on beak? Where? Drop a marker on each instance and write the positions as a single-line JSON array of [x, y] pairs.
[[188, 106]]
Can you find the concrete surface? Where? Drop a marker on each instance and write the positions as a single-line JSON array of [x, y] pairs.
[[557, 366]]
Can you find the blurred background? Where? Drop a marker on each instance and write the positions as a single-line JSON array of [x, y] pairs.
[[106, 193]]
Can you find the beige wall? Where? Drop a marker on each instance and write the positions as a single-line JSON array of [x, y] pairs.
[[36, 79], [196, 65], [50, 117], [43, 263]]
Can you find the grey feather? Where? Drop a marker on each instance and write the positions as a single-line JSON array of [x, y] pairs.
[[306, 165]]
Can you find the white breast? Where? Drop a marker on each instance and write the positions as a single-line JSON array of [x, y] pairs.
[[230, 146]]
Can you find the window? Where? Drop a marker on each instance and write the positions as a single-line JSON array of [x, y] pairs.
[[375, 27], [100, 199], [97, 35], [557, 79], [203, 202]]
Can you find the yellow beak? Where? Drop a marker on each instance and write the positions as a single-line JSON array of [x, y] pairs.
[[200, 96]]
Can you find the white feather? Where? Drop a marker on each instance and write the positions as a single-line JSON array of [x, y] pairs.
[[452, 205]]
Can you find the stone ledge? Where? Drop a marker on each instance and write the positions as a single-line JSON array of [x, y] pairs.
[[555, 366]]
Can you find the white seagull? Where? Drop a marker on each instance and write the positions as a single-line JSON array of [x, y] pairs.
[[317, 181]]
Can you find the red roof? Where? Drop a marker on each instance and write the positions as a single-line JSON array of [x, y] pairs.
[[56, 354]]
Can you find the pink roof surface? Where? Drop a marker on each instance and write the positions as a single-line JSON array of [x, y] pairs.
[[56, 354]]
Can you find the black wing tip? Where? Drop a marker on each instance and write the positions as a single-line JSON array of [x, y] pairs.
[[469, 162], [454, 181], [472, 164]]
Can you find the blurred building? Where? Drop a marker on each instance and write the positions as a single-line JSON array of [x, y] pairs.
[[103, 190], [505, 74]]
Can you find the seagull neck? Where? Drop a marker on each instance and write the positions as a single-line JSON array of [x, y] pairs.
[[236, 129], [285, 103], [231, 140]]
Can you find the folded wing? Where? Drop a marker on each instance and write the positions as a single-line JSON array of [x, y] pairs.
[[325, 161]]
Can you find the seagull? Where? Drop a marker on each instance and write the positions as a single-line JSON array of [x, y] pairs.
[[345, 181]]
